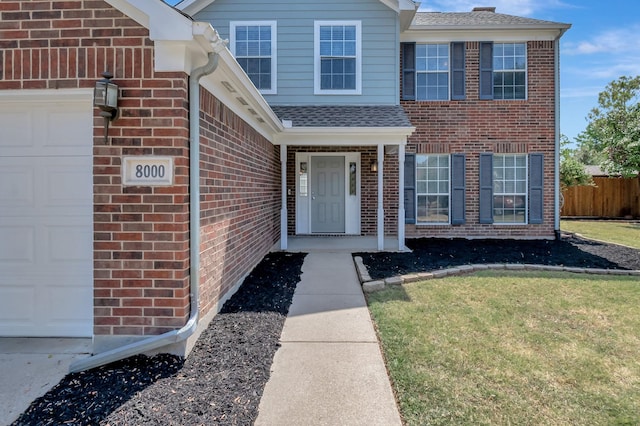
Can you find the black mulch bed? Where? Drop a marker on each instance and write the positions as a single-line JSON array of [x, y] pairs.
[[220, 383], [432, 254]]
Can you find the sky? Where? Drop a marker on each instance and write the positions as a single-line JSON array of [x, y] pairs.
[[602, 45]]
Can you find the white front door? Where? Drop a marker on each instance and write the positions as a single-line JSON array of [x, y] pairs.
[[46, 215], [327, 194]]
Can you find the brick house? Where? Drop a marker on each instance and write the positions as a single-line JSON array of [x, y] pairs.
[[362, 118]]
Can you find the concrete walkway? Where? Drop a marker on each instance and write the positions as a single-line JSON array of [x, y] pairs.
[[329, 369]]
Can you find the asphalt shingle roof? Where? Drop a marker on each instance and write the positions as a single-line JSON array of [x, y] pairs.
[[476, 19], [344, 116]]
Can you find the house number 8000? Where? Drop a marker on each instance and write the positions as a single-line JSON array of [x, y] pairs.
[[150, 171], [147, 171]]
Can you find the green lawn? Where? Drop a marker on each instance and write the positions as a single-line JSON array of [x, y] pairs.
[[625, 233], [513, 348]]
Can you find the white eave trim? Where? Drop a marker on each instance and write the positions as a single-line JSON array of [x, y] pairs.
[[343, 136], [191, 7], [448, 34]]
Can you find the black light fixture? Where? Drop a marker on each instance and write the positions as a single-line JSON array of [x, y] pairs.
[[374, 166], [105, 97]]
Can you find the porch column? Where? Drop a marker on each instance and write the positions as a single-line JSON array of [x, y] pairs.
[[283, 209], [380, 197], [401, 197]]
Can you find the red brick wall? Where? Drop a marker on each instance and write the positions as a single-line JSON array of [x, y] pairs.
[[476, 126], [240, 199], [141, 234]]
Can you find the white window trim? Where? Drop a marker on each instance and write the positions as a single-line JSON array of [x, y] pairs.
[[316, 59], [526, 192], [448, 222], [526, 70], [431, 72], [274, 48]]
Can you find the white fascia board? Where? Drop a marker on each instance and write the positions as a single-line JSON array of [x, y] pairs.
[[344, 136], [434, 35], [162, 21]]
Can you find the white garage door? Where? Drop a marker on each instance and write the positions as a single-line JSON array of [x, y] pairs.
[[46, 224]]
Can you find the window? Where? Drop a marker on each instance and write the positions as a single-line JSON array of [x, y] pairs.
[[337, 57], [509, 71], [432, 69], [435, 188], [253, 45], [432, 188], [510, 188], [433, 72], [503, 71]]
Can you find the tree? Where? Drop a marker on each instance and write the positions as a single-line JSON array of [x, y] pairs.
[[614, 126], [572, 171]]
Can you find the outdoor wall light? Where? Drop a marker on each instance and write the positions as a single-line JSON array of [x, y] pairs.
[[105, 97], [374, 166]]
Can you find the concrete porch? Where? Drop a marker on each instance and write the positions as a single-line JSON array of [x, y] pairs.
[[339, 243]]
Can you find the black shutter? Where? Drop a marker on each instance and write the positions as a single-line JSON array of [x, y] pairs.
[[536, 178], [486, 188], [409, 188], [457, 71], [486, 70], [408, 71], [458, 183]]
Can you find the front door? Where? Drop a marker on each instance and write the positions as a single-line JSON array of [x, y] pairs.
[[327, 194]]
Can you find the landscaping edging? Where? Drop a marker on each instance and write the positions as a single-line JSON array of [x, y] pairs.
[[369, 285]]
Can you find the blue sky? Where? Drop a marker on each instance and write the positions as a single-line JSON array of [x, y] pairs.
[[602, 45]]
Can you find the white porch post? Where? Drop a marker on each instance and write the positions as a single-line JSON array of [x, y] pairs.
[[380, 197], [401, 197], [283, 209]]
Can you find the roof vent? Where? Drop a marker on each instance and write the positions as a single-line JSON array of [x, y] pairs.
[[484, 9]]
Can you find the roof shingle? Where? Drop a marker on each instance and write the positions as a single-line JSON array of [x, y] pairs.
[[477, 19], [344, 115]]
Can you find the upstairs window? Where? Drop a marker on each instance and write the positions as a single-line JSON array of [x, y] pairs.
[[254, 44], [337, 57], [503, 71], [432, 72]]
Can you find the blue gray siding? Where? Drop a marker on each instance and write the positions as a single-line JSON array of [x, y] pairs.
[[380, 44]]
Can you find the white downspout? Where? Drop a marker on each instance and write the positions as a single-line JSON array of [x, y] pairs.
[[189, 328], [556, 183]]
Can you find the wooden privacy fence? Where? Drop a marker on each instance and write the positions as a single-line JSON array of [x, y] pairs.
[[612, 197]]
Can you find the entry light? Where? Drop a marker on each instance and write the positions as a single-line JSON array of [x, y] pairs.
[[105, 97]]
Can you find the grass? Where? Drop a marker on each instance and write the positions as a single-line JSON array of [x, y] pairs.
[[625, 233], [513, 348]]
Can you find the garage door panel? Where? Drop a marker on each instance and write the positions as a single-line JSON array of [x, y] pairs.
[[18, 249], [68, 244], [65, 133], [46, 218], [17, 133], [67, 184], [16, 305], [16, 186]]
